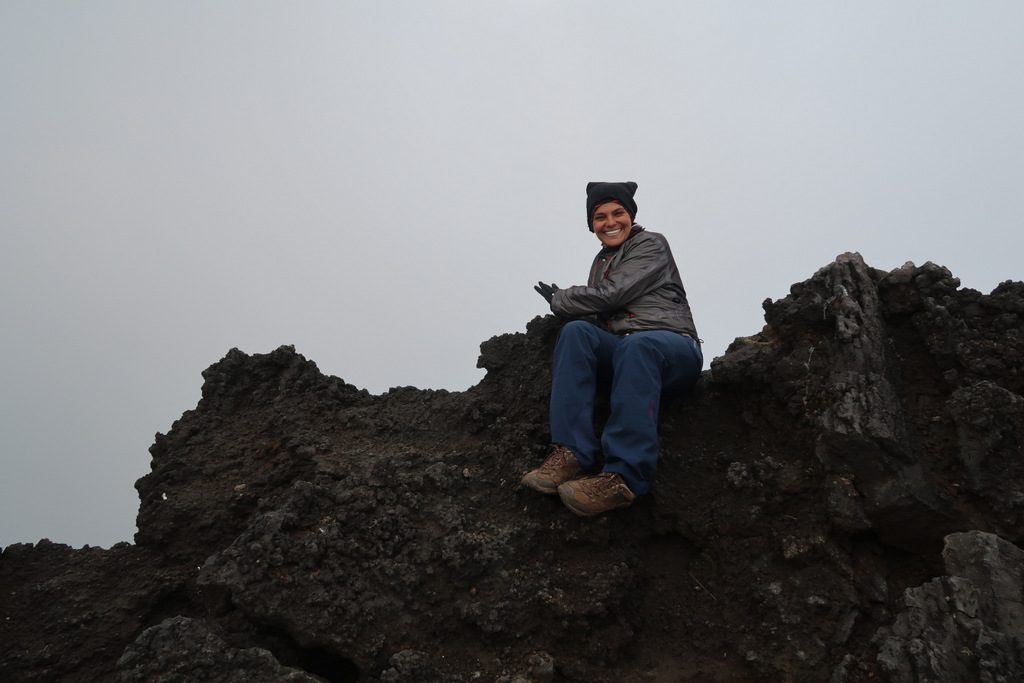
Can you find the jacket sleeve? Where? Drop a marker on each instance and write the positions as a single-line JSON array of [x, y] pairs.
[[643, 268]]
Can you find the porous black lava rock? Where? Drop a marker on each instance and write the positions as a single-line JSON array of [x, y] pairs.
[[183, 649], [964, 626], [840, 499]]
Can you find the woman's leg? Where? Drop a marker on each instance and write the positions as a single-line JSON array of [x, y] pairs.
[[582, 349], [643, 365]]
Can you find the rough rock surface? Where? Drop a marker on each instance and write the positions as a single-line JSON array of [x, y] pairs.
[[840, 499], [965, 626], [182, 649]]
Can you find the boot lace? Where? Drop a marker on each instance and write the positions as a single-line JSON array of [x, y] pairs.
[[602, 483], [560, 458]]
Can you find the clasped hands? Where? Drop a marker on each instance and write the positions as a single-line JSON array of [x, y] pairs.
[[546, 291]]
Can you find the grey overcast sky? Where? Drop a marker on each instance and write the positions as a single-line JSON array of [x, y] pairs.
[[381, 183]]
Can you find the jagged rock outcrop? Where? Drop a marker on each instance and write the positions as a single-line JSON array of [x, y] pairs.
[[965, 626], [295, 526]]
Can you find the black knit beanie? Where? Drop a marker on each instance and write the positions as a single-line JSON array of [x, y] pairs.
[[598, 193]]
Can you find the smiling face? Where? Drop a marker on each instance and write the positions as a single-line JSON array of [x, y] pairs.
[[612, 223]]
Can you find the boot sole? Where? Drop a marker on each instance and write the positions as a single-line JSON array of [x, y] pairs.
[[536, 485], [569, 500]]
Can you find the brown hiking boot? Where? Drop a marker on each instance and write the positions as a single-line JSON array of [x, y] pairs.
[[599, 493], [561, 466]]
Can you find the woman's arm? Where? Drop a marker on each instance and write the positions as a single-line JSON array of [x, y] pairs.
[[642, 268]]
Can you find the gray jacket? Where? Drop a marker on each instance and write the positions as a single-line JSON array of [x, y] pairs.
[[632, 287]]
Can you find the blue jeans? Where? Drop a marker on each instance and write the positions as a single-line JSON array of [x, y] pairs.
[[642, 366]]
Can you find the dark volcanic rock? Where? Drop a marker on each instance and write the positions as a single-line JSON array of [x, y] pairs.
[[182, 649], [965, 626], [295, 527], [67, 614]]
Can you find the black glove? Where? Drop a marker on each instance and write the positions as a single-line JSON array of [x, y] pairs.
[[546, 291]]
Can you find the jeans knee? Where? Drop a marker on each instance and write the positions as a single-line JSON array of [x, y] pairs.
[[576, 327], [576, 330], [638, 343]]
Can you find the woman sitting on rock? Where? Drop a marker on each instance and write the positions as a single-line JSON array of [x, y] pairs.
[[631, 320]]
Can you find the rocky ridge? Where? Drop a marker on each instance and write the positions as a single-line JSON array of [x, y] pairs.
[[840, 499]]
